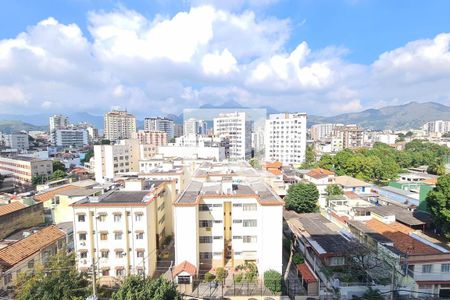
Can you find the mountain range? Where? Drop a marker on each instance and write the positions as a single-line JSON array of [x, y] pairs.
[[400, 117]]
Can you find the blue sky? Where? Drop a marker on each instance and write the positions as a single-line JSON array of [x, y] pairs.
[[319, 56]]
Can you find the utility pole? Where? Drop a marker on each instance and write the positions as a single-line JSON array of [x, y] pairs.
[[94, 280], [393, 281]]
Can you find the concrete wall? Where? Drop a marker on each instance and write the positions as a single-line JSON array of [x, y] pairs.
[[27, 217]]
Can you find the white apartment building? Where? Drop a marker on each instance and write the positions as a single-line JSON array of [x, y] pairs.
[[160, 124], [122, 157], [58, 122], [228, 216], [200, 152], [120, 232], [70, 137], [320, 132], [438, 126], [119, 125], [237, 128], [17, 141], [24, 168], [194, 126], [286, 138]]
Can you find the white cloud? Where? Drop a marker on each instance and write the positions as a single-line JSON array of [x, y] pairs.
[[219, 63], [11, 94]]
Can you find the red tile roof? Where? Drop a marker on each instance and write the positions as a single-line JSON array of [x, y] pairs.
[[351, 195], [20, 250], [399, 235], [319, 173], [306, 273], [48, 195], [275, 164], [12, 207], [185, 266]]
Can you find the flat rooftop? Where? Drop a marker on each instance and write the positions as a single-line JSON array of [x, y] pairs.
[[402, 215], [23, 158], [222, 169]]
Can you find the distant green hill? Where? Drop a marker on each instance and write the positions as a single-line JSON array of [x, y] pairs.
[[406, 116], [9, 126]]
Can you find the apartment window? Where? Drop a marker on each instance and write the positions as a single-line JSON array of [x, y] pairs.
[[204, 223], [249, 223], [117, 235], [217, 221], [205, 255], [103, 236], [105, 272], [426, 268], [237, 221], [217, 205], [139, 235], [140, 253], [117, 218], [81, 218], [218, 237], [101, 217], [184, 279], [445, 268], [337, 261], [83, 254], [249, 238], [237, 237], [31, 264], [105, 253], [120, 254], [249, 207], [120, 272], [82, 236], [205, 239], [203, 207], [138, 217], [237, 204]]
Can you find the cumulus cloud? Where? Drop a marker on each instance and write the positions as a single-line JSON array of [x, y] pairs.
[[205, 55]]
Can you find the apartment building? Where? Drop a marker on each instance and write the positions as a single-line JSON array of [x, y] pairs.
[[70, 137], [160, 169], [285, 138], [194, 126], [17, 141], [25, 254], [24, 168], [321, 132], [122, 231], [228, 216], [352, 136], [160, 124], [156, 138], [119, 125], [58, 122], [122, 157], [237, 128], [438, 126]]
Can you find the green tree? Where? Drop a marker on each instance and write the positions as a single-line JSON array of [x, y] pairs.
[[272, 281], [88, 156], [302, 198], [297, 258], [58, 166], [334, 190], [208, 277], [56, 280], [436, 168], [326, 162], [105, 142], [39, 179], [58, 174], [254, 163], [221, 274], [438, 202], [310, 157], [144, 288]]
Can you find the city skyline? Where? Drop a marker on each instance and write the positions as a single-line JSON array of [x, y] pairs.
[[317, 58]]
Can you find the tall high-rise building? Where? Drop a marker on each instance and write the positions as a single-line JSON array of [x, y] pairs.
[[237, 128], [160, 124], [58, 122], [286, 138], [119, 125], [320, 132], [194, 126], [438, 126], [70, 137], [352, 135]]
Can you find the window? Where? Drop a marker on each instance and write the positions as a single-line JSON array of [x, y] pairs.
[[249, 206], [184, 279], [81, 218], [217, 205], [249, 238], [140, 271], [120, 254], [82, 236], [117, 218], [445, 268], [217, 221], [118, 235], [337, 261], [120, 272], [83, 254], [205, 255], [249, 223], [105, 253], [237, 221], [105, 272], [101, 217], [103, 236], [426, 268], [138, 217], [205, 239], [204, 223], [203, 207], [218, 237], [140, 253], [237, 237], [139, 235], [31, 264], [237, 204]]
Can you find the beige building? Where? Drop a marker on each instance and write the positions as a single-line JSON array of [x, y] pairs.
[[122, 231], [156, 138], [119, 125], [24, 168], [352, 136]]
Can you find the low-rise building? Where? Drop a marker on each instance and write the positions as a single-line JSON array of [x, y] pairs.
[[351, 184], [24, 168], [122, 231], [17, 215]]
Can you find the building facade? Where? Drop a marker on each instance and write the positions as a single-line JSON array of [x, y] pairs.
[[24, 168], [160, 124], [58, 122], [194, 126], [70, 138], [156, 138], [352, 136], [286, 138], [119, 125], [17, 141]]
